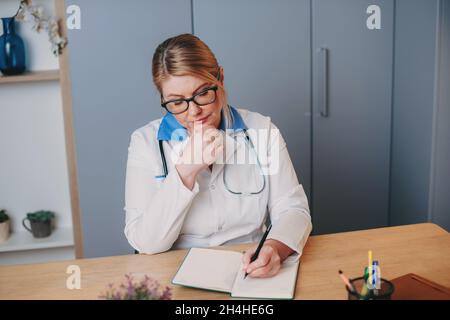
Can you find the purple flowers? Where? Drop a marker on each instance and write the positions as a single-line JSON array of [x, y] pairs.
[[146, 289]]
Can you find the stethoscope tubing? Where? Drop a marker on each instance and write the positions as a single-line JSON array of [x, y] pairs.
[[249, 141]]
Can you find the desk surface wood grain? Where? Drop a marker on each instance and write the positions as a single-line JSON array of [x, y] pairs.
[[423, 249]]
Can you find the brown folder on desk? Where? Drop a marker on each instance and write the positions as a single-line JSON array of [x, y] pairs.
[[414, 287]]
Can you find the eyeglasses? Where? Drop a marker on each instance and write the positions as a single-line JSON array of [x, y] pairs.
[[202, 98]]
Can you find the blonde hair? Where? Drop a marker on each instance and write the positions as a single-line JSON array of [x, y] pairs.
[[186, 54]]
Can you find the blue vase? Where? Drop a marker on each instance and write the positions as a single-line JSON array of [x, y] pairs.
[[12, 49]]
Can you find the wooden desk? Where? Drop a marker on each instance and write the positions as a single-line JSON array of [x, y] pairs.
[[423, 249]]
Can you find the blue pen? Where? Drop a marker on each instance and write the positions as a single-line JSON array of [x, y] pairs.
[[375, 276]]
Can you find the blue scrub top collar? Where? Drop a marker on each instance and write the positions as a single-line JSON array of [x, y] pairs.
[[171, 129]]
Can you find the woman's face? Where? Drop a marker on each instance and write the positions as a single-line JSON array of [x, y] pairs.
[[176, 87]]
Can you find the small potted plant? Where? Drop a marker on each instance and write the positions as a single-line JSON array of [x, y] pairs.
[[40, 223], [145, 288], [4, 226]]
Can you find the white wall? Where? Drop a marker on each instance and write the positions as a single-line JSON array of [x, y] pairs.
[[33, 164], [33, 171]]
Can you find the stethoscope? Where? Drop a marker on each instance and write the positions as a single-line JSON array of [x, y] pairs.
[[248, 142]]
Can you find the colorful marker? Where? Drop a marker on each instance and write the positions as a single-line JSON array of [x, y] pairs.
[[370, 266], [347, 282]]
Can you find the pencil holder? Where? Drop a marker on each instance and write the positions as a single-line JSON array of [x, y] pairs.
[[363, 293]]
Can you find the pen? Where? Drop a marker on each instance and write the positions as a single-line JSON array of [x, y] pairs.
[[347, 282], [255, 255]]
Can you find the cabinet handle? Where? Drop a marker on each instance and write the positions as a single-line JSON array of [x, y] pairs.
[[323, 90]]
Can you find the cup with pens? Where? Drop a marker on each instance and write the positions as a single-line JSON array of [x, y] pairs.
[[371, 286]]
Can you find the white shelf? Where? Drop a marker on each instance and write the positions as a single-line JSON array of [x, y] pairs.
[[23, 240], [31, 76]]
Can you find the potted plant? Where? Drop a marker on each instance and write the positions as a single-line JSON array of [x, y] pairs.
[[4, 226], [40, 223], [145, 288]]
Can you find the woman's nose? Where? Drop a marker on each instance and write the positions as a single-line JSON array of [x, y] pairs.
[[193, 109]]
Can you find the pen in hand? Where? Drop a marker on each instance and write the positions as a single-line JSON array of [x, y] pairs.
[[258, 249]]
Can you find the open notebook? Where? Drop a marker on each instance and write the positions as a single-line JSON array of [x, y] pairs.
[[221, 270]]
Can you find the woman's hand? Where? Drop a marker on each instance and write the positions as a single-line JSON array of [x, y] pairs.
[[268, 264], [204, 147]]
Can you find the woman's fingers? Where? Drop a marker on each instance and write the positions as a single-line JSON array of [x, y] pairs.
[[246, 258], [212, 135], [204, 146], [268, 263], [268, 270], [212, 145], [263, 259], [218, 153]]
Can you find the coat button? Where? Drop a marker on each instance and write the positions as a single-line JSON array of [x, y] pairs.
[[213, 187], [220, 228]]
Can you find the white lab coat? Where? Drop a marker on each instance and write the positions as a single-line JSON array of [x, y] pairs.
[[162, 213]]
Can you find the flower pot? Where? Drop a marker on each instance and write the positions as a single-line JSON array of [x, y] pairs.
[[4, 231], [12, 49], [39, 229]]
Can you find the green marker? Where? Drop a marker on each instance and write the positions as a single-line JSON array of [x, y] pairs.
[[364, 289]]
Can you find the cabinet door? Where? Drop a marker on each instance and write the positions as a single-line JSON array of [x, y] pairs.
[[352, 84], [113, 94], [264, 47]]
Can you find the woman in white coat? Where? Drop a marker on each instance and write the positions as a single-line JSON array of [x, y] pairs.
[[209, 174]]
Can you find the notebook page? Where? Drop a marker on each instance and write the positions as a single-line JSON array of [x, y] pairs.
[[280, 286], [209, 269]]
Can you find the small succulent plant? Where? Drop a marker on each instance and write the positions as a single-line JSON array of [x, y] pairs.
[[146, 289], [3, 216], [42, 216]]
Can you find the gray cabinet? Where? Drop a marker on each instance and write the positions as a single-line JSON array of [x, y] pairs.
[[440, 205], [264, 47], [313, 66], [352, 88], [414, 107], [274, 64]]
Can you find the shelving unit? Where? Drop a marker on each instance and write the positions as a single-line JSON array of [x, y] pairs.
[[32, 76], [49, 88], [23, 240]]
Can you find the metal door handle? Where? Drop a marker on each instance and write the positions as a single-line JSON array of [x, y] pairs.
[[323, 83]]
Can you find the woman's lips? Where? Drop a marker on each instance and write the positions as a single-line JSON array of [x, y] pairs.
[[202, 120]]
